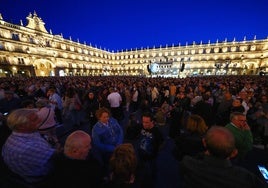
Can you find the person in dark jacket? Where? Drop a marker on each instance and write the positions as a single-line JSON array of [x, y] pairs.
[[149, 143], [75, 167], [214, 168], [9, 102], [90, 106], [189, 141]]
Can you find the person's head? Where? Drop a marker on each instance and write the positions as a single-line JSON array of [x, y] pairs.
[[264, 98], [47, 117], [9, 94], [197, 124], [237, 102], [220, 143], [23, 120], [112, 89], [181, 94], [238, 119], [91, 95], [28, 103], [205, 96], [243, 95], [70, 92], [51, 91], [147, 120], [103, 115], [123, 163], [227, 95], [223, 85], [77, 145], [40, 103]]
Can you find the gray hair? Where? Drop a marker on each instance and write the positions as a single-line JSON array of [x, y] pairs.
[[236, 114], [75, 141], [19, 118]]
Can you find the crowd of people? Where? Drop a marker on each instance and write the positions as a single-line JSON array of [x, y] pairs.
[[213, 122]]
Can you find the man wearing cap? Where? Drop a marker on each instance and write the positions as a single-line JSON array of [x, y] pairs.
[[47, 126]]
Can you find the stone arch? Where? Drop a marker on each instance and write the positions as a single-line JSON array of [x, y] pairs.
[[252, 67], [43, 67], [5, 72], [23, 72]]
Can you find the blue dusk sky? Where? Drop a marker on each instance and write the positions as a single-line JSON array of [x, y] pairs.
[[117, 25]]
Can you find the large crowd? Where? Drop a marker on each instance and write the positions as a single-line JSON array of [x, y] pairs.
[[213, 121]]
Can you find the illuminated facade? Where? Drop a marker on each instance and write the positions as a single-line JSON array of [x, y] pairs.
[[31, 50]]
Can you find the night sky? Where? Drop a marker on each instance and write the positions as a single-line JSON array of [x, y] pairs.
[[129, 24]]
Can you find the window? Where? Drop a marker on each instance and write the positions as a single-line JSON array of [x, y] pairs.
[[15, 36]]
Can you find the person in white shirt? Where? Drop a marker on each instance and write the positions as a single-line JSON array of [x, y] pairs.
[[115, 100], [55, 103]]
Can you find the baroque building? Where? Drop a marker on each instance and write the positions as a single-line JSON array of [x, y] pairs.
[[31, 50]]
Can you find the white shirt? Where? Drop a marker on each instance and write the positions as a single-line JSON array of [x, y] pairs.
[[114, 99]]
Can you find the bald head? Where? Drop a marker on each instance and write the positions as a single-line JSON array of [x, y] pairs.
[[77, 145], [220, 142]]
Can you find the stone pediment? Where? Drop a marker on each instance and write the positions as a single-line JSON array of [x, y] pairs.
[[36, 23]]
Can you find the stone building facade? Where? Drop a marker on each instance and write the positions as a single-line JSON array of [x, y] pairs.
[[31, 50]]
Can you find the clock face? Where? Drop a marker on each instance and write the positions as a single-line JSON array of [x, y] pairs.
[[154, 67]]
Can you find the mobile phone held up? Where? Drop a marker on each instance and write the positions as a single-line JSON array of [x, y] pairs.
[[264, 172]]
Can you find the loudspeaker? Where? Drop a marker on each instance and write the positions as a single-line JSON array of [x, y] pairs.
[[148, 68], [182, 66]]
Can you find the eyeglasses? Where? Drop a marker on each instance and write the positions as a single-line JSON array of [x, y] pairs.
[[241, 120]]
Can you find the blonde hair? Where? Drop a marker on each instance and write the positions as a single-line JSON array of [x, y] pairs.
[[196, 123], [123, 162]]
